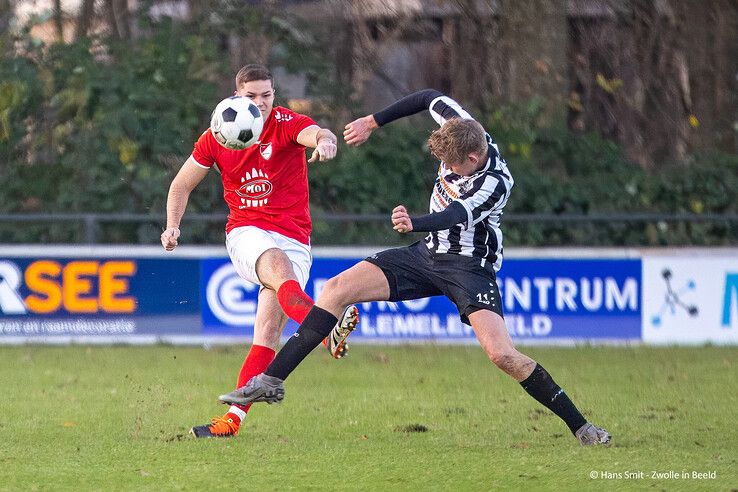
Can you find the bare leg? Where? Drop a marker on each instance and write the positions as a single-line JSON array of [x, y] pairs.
[[535, 380], [496, 342], [276, 272], [270, 320], [362, 282], [274, 268]]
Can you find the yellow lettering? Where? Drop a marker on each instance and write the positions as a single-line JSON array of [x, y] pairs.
[[111, 287], [37, 280], [76, 285]]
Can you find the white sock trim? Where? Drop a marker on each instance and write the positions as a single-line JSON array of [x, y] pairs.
[[237, 411]]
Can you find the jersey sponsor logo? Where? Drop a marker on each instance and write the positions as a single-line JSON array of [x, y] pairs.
[[265, 150], [282, 118], [441, 196], [255, 189]]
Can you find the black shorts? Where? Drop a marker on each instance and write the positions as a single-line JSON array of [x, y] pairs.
[[414, 272]]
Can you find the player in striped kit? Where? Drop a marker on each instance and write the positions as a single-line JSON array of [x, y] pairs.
[[459, 259]]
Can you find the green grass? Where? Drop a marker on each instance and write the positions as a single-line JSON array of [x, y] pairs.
[[116, 418]]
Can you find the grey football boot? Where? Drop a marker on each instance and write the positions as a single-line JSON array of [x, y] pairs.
[[261, 387], [591, 435]]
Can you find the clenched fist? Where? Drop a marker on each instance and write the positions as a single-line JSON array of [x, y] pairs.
[[401, 220], [169, 238]]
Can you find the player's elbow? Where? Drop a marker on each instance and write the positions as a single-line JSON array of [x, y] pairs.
[[183, 185], [431, 94]]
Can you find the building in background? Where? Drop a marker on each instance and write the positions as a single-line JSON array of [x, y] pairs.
[[660, 78]]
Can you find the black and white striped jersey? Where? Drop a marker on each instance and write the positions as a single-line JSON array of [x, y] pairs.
[[483, 195]]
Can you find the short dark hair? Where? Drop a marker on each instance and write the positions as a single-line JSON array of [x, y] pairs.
[[456, 139], [253, 72]]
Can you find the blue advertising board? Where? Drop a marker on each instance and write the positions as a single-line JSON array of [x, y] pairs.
[[42, 297], [202, 298], [572, 299], [542, 299]]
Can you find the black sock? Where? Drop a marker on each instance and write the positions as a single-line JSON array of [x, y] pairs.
[[540, 386], [314, 328]]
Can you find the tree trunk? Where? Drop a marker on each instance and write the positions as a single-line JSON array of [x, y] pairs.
[[84, 20], [534, 35], [475, 65], [6, 15], [58, 21], [119, 19]]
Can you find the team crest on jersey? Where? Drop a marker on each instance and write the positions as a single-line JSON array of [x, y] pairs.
[[265, 150], [465, 186], [255, 189]]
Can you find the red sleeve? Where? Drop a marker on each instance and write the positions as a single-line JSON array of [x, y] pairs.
[[205, 149], [297, 124]]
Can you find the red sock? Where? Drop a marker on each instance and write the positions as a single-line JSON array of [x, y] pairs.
[[257, 360], [295, 303]]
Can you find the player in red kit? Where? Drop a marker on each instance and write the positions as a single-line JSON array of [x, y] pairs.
[[268, 228]]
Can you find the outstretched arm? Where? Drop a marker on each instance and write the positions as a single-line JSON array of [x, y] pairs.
[[321, 139], [358, 131], [453, 215], [188, 177]]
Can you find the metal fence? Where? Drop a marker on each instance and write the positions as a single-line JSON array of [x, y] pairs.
[[92, 224]]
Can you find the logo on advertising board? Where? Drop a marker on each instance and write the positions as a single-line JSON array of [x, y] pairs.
[[60, 296], [565, 299], [730, 301], [673, 299], [690, 300], [229, 304], [75, 287], [34, 295], [572, 299]]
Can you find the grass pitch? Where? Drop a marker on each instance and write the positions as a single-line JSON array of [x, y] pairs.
[[385, 418]]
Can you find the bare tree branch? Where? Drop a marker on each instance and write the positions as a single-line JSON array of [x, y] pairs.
[[84, 19], [58, 21]]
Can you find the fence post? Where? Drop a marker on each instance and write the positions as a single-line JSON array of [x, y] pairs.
[[90, 228]]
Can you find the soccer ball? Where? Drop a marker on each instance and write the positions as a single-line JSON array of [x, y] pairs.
[[236, 122]]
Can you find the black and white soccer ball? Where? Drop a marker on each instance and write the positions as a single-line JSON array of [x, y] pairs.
[[236, 122]]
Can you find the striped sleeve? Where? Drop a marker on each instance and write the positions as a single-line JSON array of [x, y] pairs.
[[443, 108], [485, 196]]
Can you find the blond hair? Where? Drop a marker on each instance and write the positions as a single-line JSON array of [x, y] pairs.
[[456, 139]]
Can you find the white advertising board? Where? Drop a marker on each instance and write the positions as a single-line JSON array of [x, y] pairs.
[[690, 298]]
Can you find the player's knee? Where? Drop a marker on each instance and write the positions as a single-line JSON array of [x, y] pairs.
[[274, 268], [337, 290], [507, 360]]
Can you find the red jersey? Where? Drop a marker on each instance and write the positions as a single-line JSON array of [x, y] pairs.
[[265, 185]]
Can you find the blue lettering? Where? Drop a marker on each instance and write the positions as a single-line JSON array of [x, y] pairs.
[[731, 292]]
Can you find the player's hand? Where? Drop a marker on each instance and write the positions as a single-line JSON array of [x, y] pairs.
[[169, 238], [401, 220], [325, 151], [358, 131]]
